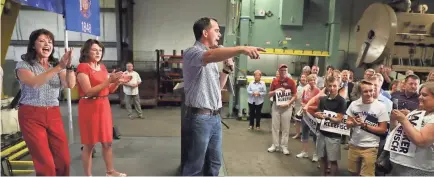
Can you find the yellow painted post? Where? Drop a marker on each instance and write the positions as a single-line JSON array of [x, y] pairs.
[[9, 14]]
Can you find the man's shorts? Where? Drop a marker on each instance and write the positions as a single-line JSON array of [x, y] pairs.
[[362, 158], [328, 147]]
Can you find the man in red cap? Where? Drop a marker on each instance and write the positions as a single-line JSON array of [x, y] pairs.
[[284, 92]]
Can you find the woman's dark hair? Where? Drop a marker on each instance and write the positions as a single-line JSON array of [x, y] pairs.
[[84, 52], [30, 56]]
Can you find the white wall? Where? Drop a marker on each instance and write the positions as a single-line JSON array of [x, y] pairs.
[[168, 24], [30, 20]]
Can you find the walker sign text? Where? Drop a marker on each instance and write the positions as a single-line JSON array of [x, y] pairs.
[[398, 142]]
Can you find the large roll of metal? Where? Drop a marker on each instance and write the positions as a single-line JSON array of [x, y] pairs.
[[375, 34]]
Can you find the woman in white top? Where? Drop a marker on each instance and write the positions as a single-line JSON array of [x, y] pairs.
[[297, 105], [256, 91], [422, 163]]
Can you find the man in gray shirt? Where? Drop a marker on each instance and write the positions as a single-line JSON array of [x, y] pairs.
[[202, 86], [319, 79]]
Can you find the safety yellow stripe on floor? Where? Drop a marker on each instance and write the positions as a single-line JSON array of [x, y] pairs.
[[296, 52]]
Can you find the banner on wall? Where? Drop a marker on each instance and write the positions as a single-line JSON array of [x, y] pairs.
[[83, 16], [55, 6]]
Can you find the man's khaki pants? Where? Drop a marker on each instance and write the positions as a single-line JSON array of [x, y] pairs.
[[280, 121], [133, 99]]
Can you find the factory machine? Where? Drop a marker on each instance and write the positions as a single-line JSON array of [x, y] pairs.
[[293, 32], [399, 35]]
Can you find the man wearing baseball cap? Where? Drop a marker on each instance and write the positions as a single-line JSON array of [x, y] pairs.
[[284, 92]]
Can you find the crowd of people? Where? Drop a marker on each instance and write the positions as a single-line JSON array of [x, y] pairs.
[[373, 109], [368, 112]]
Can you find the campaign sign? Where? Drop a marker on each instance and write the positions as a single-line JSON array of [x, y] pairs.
[[311, 122], [283, 97], [398, 142], [83, 16], [329, 126], [55, 6]]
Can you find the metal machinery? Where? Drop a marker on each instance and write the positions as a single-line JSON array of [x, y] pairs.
[[392, 35], [169, 69], [13, 147], [292, 31]]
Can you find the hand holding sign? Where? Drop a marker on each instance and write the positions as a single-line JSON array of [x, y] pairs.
[[330, 114], [283, 97], [320, 115]]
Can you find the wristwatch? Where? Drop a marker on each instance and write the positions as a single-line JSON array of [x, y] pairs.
[[70, 67]]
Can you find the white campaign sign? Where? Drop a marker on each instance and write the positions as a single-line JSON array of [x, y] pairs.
[[311, 122], [328, 126], [398, 142], [283, 97]]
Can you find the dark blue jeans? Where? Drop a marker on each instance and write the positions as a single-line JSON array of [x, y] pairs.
[[204, 149]]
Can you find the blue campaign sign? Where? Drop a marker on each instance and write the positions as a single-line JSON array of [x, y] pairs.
[[55, 6], [82, 16]]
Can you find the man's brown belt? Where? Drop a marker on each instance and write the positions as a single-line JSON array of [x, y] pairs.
[[204, 111]]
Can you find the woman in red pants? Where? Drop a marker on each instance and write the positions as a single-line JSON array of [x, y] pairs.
[[94, 112], [41, 77]]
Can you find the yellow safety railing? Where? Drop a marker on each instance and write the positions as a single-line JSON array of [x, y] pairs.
[[296, 52], [13, 148], [11, 155]]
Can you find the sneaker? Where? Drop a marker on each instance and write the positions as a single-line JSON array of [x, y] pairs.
[[314, 158], [272, 148], [285, 151], [302, 155], [296, 136]]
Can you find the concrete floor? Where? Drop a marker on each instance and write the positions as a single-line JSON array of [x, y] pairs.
[[151, 146]]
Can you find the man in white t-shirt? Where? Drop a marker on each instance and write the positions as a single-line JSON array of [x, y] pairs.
[[131, 90], [367, 117]]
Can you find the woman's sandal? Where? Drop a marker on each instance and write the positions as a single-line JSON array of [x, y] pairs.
[[111, 173]]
